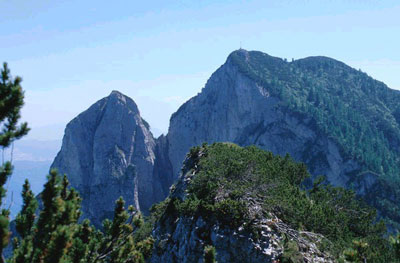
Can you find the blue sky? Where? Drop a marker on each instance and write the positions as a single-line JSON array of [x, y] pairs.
[[72, 53]]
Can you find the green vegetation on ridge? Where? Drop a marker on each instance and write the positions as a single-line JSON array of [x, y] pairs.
[[228, 179], [360, 114]]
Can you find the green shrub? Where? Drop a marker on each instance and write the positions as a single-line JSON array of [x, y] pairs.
[[229, 179], [210, 254]]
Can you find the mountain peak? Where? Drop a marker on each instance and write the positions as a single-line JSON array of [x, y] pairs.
[[117, 98], [117, 93], [107, 152], [244, 58], [315, 62]]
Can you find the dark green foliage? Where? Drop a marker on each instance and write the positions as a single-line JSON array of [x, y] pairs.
[[5, 172], [58, 246], [340, 209], [25, 219], [57, 236], [357, 253], [84, 241], [395, 242], [357, 112], [4, 232], [119, 234], [228, 178], [210, 254], [291, 253], [11, 102], [50, 236]]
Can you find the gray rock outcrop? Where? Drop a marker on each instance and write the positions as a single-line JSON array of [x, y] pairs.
[[108, 152]]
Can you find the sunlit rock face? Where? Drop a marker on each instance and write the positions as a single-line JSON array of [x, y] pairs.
[[108, 152]]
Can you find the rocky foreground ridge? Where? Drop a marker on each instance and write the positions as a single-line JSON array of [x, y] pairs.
[[253, 99], [246, 204]]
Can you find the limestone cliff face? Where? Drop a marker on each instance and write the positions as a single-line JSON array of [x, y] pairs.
[[108, 152], [234, 108]]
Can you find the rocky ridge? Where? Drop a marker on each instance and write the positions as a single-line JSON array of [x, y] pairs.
[[180, 238]]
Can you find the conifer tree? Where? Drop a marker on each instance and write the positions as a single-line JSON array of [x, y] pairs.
[[56, 236], [24, 223], [85, 243], [118, 244], [395, 242], [11, 102], [210, 254], [49, 237], [357, 253], [25, 219]]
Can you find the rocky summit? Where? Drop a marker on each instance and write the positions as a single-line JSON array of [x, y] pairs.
[[108, 151]]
